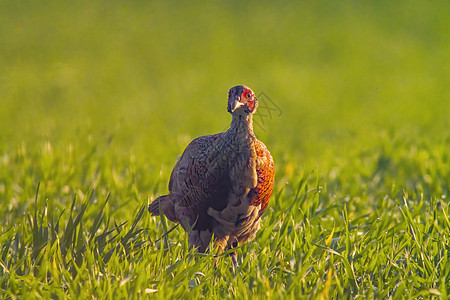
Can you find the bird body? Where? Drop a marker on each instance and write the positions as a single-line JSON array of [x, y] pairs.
[[222, 183]]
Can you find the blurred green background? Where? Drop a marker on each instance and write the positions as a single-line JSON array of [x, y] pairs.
[[140, 79]]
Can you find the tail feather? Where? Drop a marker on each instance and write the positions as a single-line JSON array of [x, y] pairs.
[[155, 208], [163, 205]]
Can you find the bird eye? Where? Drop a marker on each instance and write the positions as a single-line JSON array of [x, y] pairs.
[[247, 94]]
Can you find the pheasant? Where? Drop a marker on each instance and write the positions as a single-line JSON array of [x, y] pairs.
[[222, 183]]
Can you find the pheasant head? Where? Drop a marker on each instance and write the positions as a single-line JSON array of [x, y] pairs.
[[241, 101]]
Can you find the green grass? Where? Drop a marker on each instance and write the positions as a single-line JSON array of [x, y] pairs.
[[98, 99]]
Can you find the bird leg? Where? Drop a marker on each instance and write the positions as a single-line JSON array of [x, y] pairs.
[[233, 254], [234, 260], [221, 247], [220, 244]]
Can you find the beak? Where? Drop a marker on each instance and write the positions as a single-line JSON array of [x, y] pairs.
[[235, 105]]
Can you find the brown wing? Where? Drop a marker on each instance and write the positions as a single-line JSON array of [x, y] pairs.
[[198, 181], [265, 171]]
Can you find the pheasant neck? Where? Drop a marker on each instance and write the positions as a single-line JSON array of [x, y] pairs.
[[242, 124]]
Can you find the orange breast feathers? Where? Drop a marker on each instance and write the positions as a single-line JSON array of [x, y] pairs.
[[266, 172]]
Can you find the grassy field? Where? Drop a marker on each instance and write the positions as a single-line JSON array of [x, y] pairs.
[[97, 100]]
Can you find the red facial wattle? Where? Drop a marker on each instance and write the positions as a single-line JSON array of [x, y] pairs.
[[248, 99]]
